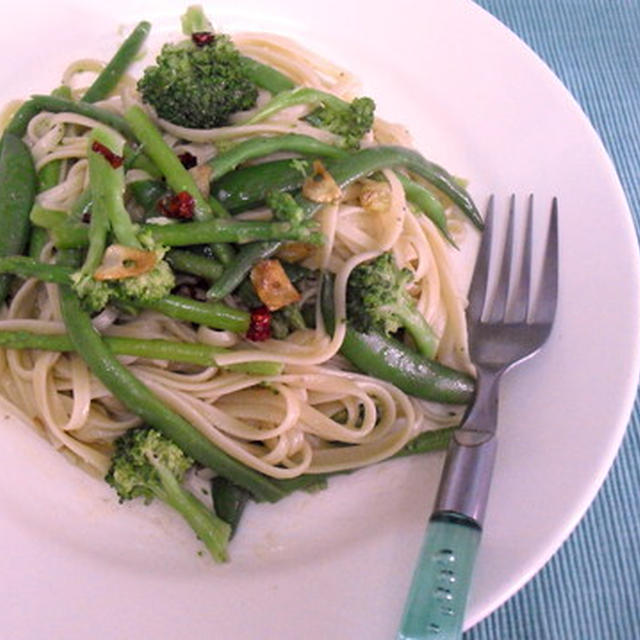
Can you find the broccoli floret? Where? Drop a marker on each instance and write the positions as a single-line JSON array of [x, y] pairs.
[[148, 465], [351, 121], [285, 207], [152, 285], [377, 298], [198, 83], [95, 295]]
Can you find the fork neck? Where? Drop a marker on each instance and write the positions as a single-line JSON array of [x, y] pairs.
[[482, 414]]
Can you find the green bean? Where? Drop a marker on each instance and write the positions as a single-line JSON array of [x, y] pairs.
[[178, 178], [232, 276], [59, 105], [75, 235], [139, 399], [109, 77], [266, 77], [265, 145], [210, 314], [196, 264], [154, 349], [27, 267], [18, 183], [427, 203]]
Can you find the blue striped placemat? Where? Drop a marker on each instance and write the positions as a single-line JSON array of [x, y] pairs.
[[590, 590]]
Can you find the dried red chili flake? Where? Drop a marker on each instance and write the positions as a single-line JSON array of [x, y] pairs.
[[188, 160], [202, 38], [114, 160], [260, 326], [181, 206]]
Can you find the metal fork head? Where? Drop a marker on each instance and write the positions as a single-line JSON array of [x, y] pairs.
[[506, 326]]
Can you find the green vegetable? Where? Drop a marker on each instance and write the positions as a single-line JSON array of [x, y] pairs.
[[264, 145], [109, 214], [345, 171], [247, 187], [18, 183], [148, 465], [38, 103], [178, 178], [211, 314], [377, 298], [266, 77], [155, 349], [349, 120], [196, 264], [109, 77], [73, 236], [385, 358], [141, 401], [229, 501], [198, 86], [428, 203]]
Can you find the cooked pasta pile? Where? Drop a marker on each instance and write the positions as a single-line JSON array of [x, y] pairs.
[[318, 415]]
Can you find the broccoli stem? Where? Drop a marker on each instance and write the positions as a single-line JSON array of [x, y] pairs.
[[151, 349], [297, 96], [419, 329], [177, 177], [194, 20], [212, 531], [109, 77]]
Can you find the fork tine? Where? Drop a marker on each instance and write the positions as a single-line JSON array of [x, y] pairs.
[[520, 302], [479, 280], [499, 304], [548, 293]]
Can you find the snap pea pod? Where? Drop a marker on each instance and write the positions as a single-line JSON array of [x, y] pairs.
[[345, 171], [265, 76], [109, 77], [387, 359], [265, 145], [247, 187], [155, 349], [139, 399], [18, 184]]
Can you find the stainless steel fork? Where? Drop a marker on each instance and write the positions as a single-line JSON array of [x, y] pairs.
[[504, 329]]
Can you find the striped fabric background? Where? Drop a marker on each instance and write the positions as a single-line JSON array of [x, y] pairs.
[[590, 590]]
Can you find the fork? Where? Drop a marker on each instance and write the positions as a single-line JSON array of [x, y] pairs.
[[505, 328]]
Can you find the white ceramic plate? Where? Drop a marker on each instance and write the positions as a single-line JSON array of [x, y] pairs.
[[337, 565]]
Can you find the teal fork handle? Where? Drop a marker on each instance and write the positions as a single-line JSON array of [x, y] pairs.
[[438, 596]]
